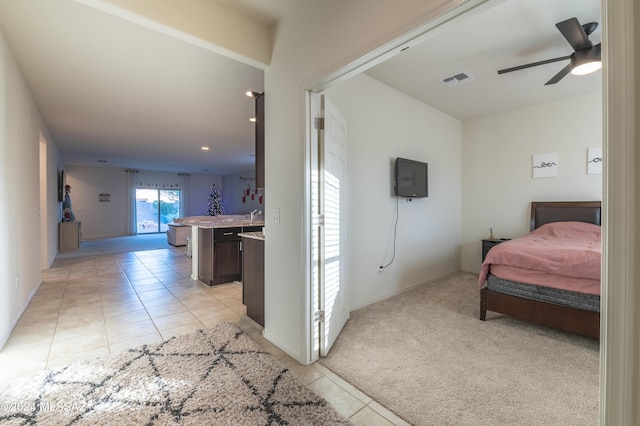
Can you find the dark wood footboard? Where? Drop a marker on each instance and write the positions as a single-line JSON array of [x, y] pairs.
[[586, 323], [483, 304]]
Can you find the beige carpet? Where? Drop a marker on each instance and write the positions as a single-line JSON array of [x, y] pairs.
[[210, 377], [425, 356]]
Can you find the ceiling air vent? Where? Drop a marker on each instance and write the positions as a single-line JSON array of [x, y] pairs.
[[458, 79]]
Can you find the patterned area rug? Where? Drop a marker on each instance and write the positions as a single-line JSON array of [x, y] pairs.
[[209, 377]]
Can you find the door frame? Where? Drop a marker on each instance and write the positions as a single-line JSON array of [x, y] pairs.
[[619, 328], [319, 83], [159, 199]]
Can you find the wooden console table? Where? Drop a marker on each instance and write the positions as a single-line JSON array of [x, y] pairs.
[[69, 234]]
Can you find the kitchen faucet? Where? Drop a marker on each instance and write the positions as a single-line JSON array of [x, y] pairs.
[[253, 214]]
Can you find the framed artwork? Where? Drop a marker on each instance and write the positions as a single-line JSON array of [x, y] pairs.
[[594, 161], [60, 186], [545, 165]]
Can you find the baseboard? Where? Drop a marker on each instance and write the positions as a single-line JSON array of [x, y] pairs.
[[406, 289], [5, 338], [276, 341]]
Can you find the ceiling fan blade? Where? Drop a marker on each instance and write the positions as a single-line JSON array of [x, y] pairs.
[[556, 78], [533, 64], [574, 33]]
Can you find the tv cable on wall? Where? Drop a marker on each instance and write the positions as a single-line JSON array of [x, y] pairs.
[[395, 234]]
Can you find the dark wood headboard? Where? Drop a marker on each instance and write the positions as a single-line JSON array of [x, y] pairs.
[[561, 211]]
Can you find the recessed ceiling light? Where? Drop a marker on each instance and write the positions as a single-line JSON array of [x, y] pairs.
[[205, 148]]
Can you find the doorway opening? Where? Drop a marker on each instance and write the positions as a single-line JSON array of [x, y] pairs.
[[155, 209]]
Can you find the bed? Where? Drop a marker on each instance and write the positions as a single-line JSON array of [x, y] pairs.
[[570, 303]]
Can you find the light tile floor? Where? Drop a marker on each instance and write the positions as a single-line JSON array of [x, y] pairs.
[[95, 305]]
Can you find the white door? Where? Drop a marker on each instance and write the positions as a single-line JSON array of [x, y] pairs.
[[329, 236]]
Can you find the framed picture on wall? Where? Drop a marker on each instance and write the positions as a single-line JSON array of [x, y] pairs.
[[60, 185], [594, 161], [545, 165]]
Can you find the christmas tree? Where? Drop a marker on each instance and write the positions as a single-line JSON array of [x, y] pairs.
[[214, 202]]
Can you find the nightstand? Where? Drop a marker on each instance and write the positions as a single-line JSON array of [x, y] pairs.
[[490, 242]]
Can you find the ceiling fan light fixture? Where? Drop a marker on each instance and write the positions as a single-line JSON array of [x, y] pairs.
[[586, 61], [586, 68]]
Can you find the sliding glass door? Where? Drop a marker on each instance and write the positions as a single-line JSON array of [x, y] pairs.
[[156, 208]]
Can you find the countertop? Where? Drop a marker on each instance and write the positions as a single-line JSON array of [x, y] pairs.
[[234, 224], [221, 221], [253, 235], [230, 225]]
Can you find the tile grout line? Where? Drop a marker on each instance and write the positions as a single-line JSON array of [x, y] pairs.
[[55, 329]]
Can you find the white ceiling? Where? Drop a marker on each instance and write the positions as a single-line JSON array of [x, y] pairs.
[[507, 34], [268, 12], [114, 91]]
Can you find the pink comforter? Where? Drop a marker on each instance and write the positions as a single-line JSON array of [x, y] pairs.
[[570, 250]]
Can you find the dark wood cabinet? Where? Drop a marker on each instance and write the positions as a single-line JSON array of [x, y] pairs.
[[227, 263], [253, 278], [260, 141], [252, 229], [490, 242], [220, 254]]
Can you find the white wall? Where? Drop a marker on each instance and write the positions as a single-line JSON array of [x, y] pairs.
[[199, 189], [385, 124], [20, 226], [235, 187], [497, 153], [109, 219], [99, 219]]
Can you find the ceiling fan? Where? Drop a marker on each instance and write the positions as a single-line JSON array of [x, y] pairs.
[[584, 60]]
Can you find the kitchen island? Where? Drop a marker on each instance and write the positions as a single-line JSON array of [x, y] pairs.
[[216, 252]]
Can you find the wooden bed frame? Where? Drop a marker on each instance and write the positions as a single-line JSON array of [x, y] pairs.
[[565, 318]]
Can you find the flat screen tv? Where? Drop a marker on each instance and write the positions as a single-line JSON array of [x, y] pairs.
[[411, 178]]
